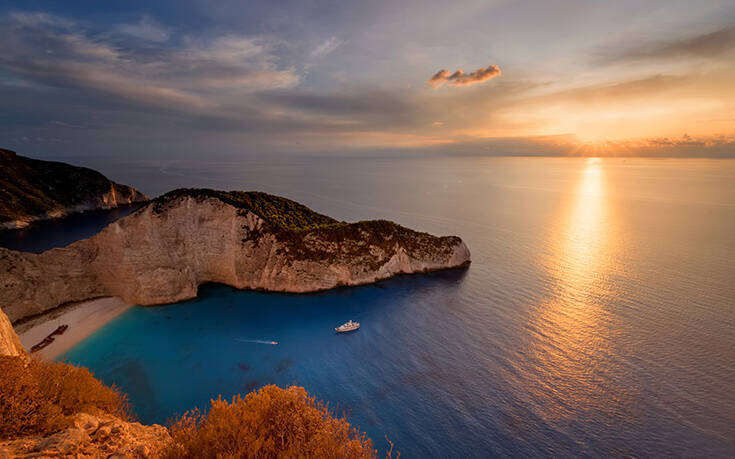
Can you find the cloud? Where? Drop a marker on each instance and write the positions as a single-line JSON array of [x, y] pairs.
[[129, 86], [368, 108], [146, 29], [459, 78], [709, 45], [685, 141], [199, 74], [569, 145], [38, 19], [327, 47]]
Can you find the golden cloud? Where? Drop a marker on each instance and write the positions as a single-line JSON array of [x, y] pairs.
[[459, 78]]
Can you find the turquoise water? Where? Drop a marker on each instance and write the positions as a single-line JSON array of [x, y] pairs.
[[597, 317], [172, 358]]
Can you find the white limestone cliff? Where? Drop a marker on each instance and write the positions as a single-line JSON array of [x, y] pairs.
[[164, 251]]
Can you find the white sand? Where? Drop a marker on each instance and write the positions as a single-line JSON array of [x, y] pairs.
[[83, 319]]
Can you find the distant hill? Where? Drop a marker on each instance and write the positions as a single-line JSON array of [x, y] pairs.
[[32, 189]]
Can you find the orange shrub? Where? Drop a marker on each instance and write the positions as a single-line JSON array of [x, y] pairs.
[[23, 411], [269, 423], [39, 397]]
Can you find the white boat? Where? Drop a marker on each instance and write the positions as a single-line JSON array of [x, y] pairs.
[[348, 327]]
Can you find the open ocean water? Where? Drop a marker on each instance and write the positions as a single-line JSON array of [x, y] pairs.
[[597, 318]]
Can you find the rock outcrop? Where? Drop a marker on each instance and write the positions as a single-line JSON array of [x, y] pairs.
[[31, 190], [9, 341], [162, 252], [92, 436]]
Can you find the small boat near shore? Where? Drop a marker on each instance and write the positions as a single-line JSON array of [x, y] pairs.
[[348, 327], [49, 339], [60, 330]]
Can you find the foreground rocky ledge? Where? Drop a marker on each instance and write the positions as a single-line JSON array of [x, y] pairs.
[[92, 436], [165, 250]]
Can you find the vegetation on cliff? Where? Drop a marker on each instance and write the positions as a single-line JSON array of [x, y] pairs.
[[282, 213], [39, 397], [359, 241], [269, 423], [32, 187]]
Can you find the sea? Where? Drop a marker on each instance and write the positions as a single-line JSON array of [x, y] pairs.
[[597, 318]]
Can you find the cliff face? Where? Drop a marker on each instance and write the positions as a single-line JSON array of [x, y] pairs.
[[32, 189], [9, 341], [164, 251]]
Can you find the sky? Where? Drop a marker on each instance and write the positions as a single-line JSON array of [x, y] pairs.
[[186, 78]]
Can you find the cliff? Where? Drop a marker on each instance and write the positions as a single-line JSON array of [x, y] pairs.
[[162, 252], [31, 189], [9, 342]]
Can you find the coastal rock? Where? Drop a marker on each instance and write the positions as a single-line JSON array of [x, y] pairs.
[[92, 436], [9, 342], [32, 190], [162, 252]]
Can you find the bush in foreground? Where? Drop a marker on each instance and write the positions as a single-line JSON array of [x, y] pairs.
[[39, 397], [269, 423]]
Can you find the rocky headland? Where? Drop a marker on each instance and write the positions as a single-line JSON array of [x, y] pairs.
[[32, 190], [163, 251]]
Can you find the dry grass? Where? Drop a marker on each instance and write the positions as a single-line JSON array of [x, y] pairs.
[[39, 397], [269, 423]]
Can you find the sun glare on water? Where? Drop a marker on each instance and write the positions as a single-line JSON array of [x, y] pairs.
[[571, 323]]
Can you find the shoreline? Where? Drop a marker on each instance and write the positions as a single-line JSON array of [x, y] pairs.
[[31, 221], [83, 319]]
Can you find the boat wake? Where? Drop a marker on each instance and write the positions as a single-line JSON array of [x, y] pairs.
[[256, 341]]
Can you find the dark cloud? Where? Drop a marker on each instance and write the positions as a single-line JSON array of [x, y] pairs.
[[459, 78], [224, 86], [568, 145], [57, 52], [363, 106], [709, 45], [686, 141]]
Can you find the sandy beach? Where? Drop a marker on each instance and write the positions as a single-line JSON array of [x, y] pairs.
[[82, 318]]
